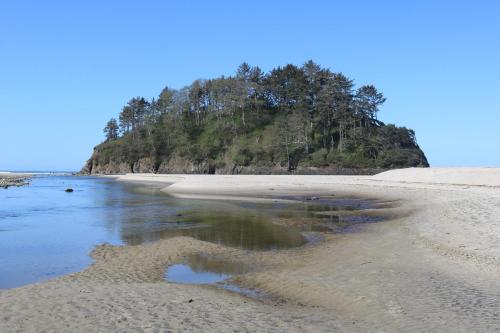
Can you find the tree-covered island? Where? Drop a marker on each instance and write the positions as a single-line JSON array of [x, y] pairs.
[[290, 120]]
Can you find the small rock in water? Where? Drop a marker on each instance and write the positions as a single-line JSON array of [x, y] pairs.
[[69, 190]]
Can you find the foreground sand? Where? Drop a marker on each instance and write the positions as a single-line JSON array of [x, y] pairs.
[[434, 266]]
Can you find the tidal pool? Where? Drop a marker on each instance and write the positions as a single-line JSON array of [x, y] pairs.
[[183, 273], [206, 270], [47, 232]]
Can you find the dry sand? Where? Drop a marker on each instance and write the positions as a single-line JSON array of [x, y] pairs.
[[433, 267]]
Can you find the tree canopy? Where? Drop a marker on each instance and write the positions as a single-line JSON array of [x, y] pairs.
[[290, 117]]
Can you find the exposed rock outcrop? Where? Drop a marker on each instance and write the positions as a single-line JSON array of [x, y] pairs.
[[179, 165], [7, 181]]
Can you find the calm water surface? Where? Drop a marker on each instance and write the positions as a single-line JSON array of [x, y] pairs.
[[205, 269], [46, 232]]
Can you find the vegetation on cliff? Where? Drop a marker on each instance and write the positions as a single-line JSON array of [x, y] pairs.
[[290, 119]]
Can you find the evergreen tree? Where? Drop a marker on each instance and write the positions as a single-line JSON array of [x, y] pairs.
[[111, 129], [290, 117]]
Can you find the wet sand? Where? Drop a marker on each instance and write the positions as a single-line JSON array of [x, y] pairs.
[[433, 266]]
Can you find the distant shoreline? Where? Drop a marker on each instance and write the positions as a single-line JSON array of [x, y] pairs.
[[8, 179]]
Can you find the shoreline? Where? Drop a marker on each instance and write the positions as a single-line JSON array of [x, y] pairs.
[[395, 275], [399, 185], [8, 179]]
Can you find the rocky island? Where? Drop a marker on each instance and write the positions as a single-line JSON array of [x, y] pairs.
[[291, 120]]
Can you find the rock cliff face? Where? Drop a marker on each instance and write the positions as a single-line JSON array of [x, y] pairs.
[[92, 167], [182, 166]]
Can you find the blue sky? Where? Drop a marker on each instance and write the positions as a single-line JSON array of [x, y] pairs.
[[66, 67]]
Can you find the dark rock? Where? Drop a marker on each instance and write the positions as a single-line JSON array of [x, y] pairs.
[[69, 190], [180, 165]]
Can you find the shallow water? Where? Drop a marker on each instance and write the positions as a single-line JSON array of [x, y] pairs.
[[183, 273], [47, 232], [205, 269]]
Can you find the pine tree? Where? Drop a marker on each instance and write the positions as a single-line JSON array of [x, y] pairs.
[[111, 130]]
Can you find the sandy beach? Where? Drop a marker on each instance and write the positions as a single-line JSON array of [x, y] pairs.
[[433, 265]]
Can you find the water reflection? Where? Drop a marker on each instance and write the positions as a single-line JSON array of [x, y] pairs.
[[205, 269], [202, 262], [240, 228], [182, 273], [145, 216], [46, 232]]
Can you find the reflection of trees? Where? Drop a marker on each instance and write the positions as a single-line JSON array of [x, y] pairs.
[[204, 263], [138, 215], [135, 214], [243, 229]]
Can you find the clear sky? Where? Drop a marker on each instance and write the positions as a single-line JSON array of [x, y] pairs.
[[66, 67]]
